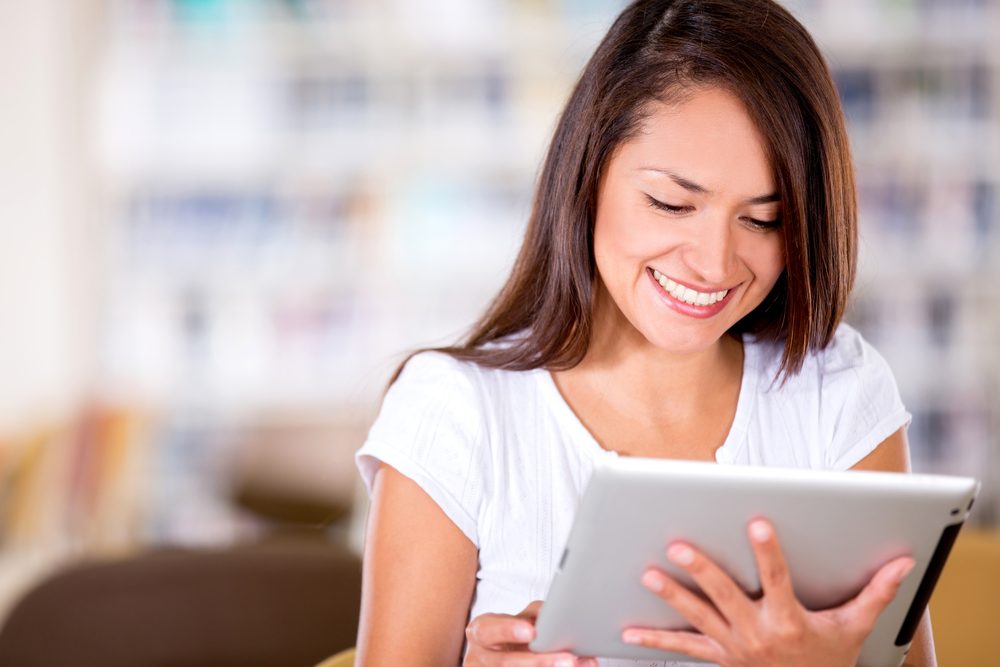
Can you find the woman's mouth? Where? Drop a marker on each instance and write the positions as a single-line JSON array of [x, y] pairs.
[[688, 300], [686, 294]]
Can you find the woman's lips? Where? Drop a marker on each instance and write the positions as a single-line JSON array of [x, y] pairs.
[[687, 300]]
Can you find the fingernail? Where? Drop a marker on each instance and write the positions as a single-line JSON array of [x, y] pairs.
[[680, 554], [523, 632], [904, 570], [565, 662], [652, 581], [760, 531], [630, 637]]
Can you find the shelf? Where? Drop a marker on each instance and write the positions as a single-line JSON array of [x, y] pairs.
[[303, 190]]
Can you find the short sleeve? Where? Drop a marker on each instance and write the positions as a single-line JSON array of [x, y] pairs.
[[430, 429], [861, 401]]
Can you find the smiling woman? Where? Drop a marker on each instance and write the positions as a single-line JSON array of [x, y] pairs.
[[678, 294]]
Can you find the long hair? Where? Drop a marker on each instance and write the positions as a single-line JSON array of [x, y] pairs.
[[656, 51]]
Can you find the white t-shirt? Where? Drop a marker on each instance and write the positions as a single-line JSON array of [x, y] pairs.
[[506, 458]]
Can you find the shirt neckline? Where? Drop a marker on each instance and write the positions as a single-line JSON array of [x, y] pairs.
[[726, 453]]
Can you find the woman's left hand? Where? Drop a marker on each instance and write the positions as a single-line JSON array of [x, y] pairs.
[[774, 630]]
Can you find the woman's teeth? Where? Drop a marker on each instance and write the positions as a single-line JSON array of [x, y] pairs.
[[688, 295]]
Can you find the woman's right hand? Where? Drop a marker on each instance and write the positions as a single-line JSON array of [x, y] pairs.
[[501, 640]]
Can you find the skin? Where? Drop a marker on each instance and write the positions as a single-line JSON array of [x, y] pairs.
[[653, 374]]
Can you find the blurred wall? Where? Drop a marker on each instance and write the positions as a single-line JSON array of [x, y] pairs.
[[47, 299]]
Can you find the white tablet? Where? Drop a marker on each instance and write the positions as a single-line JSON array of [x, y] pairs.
[[835, 528]]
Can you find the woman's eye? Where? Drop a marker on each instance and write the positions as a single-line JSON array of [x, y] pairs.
[[669, 208], [762, 225]]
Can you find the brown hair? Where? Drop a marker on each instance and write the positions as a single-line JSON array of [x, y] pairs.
[[655, 50]]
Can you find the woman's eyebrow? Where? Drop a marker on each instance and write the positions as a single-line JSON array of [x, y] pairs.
[[772, 198], [685, 183], [691, 186]]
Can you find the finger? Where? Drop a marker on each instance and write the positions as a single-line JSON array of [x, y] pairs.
[[733, 604], [499, 630], [862, 612], [531, 611], [699, 613], [689, 643], [772, 568]]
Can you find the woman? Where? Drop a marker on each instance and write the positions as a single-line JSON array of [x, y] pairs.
[[678, 294]]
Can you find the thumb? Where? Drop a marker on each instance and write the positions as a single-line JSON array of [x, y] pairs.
[[531, 611]]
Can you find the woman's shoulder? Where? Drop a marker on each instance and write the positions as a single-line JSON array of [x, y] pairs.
[[847, 358], [433, 379], [438, 371], [848, 351], [435, 366], [432, 427], [841, 404], [441, 364]]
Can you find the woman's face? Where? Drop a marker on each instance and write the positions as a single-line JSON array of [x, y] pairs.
[[687, 239]]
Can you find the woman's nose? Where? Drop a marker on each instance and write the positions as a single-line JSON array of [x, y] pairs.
[[712, 253]]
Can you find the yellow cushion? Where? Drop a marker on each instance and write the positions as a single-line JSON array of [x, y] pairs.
[[342, 659], [965, 606]]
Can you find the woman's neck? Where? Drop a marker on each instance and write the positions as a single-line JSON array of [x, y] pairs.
[[620, 357]]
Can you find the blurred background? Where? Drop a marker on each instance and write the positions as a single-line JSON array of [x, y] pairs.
[[224, 222]]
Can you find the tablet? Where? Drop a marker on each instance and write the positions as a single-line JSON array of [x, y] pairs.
[[835, 528]]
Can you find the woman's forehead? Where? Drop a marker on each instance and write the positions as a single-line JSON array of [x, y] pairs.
[[707, 139]]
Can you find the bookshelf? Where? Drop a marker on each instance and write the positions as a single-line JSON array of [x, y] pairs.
[[298, 192], [385, 169], [920, 83]]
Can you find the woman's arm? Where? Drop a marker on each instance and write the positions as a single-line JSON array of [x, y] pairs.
[[418, 582], [893, 455], [419, 577]]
